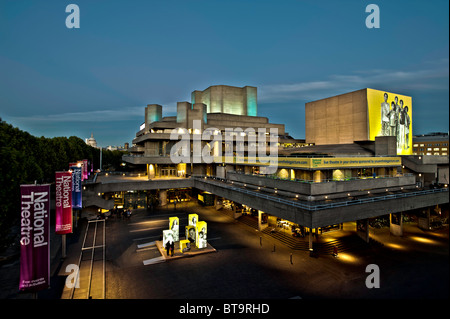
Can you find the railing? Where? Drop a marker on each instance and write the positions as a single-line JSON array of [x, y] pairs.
[[308, 181], [318, 206]]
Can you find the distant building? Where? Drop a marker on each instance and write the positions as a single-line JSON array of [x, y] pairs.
[[91, 141], [431, 144]]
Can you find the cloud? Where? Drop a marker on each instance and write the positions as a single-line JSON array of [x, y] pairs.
[[431, 79], [116, 115]]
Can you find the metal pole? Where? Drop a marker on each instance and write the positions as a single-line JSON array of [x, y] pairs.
[[63, 245], [104, 259]]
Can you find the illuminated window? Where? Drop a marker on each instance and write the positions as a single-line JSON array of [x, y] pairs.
[[436, 149], [445, 153], [416, 145], [444, 149], [436, 153], [422, 144]]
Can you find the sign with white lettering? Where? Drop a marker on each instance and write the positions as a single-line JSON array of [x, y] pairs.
[[34, 237], [63, 202], [76, 187]]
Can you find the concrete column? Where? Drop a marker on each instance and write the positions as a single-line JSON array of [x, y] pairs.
[[162, 197], [396, 224], [260, 225], [235, 213], [362, 229], [218, 204], [310, 242], [424, 222]]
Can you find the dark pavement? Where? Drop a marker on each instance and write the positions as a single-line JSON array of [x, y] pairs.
[[413, 266]]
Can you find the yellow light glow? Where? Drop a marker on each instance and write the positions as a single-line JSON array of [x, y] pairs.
[[347, 258], [423, 240], [395, 246]]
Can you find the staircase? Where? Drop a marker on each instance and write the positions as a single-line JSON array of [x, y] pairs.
[[344, 243], [249, 221]]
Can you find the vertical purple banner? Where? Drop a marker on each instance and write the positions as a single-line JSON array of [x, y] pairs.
[[85, 169], [34, 237], [76, 187], [63, 202]]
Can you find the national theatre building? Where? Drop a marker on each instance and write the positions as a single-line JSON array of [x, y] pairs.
[[355, 163]]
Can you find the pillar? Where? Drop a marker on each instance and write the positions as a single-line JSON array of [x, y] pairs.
[[162, 197], [261, 226], [362, 229], [396, 224], [310, 242]]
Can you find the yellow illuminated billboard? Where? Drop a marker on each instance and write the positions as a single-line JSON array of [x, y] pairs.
[[191, 232], [192, 219], [335, 162], [174, 225], [201, 235], [390, 114]]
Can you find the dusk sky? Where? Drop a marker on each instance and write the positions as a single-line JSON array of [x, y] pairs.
[[56, 81]]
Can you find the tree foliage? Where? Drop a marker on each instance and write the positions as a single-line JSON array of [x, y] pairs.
[[25, 159]]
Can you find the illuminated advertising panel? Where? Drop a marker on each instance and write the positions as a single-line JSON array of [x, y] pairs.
[[390, 114], [174, 225], [191, 233], [201, 235], [192, 219], [167, 237]]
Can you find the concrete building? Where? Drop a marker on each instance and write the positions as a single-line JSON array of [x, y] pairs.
[[228, 118], [228, 99], [431, 144], [360, 116], [348, 169]]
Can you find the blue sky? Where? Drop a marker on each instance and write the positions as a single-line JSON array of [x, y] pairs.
[[56, 81]]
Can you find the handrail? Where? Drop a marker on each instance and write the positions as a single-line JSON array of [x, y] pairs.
[[309, 181], [314, 206]]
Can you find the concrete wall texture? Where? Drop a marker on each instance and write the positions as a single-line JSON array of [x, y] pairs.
[[228, 99], [339, 119]]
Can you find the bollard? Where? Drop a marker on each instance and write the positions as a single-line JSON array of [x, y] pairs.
[[260, 241], [291, 260], [273, 248]]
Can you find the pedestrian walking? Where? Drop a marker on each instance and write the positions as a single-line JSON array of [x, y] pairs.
[[335, 251], [167, 248], [172, 248]]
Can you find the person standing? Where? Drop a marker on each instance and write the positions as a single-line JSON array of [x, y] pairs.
[[167, 248], [385, 116], [401, 126], [172, 247], [407, 124], [393, 120]]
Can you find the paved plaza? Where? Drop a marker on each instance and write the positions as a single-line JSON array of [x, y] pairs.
[[248, 264]]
